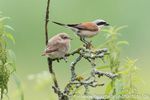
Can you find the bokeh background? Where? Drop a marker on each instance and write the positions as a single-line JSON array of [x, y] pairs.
[[27, 18]]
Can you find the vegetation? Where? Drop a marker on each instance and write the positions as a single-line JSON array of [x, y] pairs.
[[7, 65], [121, 72], [118, 87], [123, 87]]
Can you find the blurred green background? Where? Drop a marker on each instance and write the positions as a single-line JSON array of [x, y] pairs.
[[27, 18]]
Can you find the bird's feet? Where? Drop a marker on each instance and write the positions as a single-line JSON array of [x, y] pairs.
[[87, 44], [65, 59]]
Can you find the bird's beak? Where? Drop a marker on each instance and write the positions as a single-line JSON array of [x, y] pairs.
[[106, 24], [70, 38]]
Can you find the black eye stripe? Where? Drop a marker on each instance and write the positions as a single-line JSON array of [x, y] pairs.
[[101, 23]]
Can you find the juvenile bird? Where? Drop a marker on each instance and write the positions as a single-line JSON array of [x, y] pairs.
[[57, 46], [85, 29]]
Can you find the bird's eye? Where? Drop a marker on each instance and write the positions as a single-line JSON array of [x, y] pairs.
[[65, 37]]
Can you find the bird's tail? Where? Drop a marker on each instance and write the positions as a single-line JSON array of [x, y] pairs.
[[59, 23], [70, 26]]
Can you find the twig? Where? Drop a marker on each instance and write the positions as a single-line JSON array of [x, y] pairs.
[[90, 56], [107, 74], [55, 87], [72, 66], [69, 54], [86, 92], [84, 52], [46, 21]]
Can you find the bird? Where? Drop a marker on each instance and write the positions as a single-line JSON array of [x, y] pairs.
[[57, 46], [85, 29]]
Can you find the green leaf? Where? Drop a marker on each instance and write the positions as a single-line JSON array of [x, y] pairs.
[[108, 88], [11, 55], [3, 42], [9, 27], [19, 86], [124, 72], [102, 67], [9, 36], [120, 28], [118, 86], [106, 30], [4, 18], [122, 43]]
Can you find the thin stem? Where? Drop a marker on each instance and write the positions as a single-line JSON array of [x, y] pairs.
[[52, 72], [46, 21], [50, 61]]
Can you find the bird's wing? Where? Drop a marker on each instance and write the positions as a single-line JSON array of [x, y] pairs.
[[52, 47], [50, 50], [87, 26]]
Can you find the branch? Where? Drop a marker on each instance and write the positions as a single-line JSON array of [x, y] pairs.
[[73, 74], [107, 74], [46, 22], [55, 87], [86, 53], [78, 81], [69, 54], [83, 52]]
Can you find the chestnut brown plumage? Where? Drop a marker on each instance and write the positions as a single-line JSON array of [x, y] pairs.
[[85, 29]]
